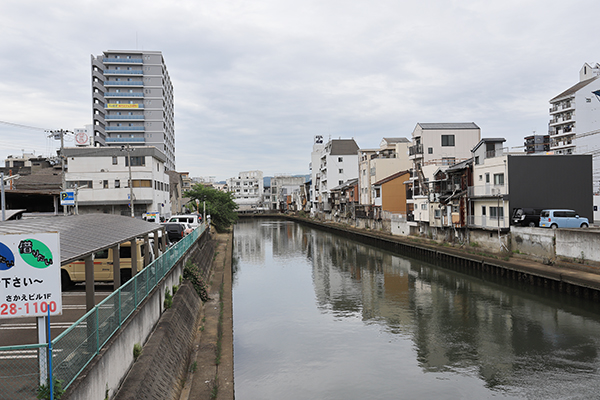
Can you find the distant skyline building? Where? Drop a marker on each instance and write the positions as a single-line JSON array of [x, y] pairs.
[[132, 98]]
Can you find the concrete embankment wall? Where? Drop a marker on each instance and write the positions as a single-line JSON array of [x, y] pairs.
[[106, 372], [159, 372]]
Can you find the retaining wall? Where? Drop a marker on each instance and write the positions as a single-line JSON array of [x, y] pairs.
[[533, 241]]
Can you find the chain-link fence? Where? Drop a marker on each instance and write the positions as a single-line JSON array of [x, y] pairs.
[[24, 368]]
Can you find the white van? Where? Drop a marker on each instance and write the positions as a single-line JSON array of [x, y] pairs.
[[194, 220]]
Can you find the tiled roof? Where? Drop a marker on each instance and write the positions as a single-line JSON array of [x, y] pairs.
[[390, 178]]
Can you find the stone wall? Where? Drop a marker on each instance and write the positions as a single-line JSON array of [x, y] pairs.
[[535, 242]]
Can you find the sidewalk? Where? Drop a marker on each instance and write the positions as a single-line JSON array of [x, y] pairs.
[[210, 375]]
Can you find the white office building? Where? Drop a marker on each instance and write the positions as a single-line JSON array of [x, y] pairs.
[[132, 99], [100, 178]]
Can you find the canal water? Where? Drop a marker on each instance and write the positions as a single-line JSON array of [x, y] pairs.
[[318, 316]]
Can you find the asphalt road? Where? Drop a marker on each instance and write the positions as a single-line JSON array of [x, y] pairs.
[[20, 331]]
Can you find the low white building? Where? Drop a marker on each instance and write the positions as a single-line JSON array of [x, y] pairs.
[[100, 176], [247, 189]]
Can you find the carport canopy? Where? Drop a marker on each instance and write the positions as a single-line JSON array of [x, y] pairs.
[[83, 235], [80, 236]]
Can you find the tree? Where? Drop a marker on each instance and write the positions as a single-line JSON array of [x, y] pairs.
[[219, 205]]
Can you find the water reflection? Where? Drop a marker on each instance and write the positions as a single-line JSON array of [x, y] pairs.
[[472, 337]]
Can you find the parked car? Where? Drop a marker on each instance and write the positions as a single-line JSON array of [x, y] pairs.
[[103, 265], [526, 217], [193, 219], [562, 219], [175, 231]]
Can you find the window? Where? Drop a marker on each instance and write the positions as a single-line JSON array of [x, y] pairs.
[[430, 150], [448, 160], [477, 161], [142, 183], [447, 140], [340, 159], [105, 184], [483, 210], [437, 213], [79, 184], [340, 182], [498, 179], [496, 212], [117, 183], [423, 206], [341, 171], [137, 161], [487, 177], [115, 160]]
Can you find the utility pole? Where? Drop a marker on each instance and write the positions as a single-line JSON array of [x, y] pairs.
[[60, 135], [129, 150]]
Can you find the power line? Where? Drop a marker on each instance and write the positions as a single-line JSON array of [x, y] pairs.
[[23, 126]]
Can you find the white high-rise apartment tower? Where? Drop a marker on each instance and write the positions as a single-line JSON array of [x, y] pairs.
[[132, 99]]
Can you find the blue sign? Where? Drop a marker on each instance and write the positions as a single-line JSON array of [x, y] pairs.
[[67, 198]]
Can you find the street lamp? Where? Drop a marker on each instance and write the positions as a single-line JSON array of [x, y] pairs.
[[129, 150]]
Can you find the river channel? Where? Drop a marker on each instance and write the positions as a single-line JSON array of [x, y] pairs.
[[318, 316]]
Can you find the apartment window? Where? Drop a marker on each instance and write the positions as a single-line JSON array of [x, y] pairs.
[[498, 179], [487, 177], [480, 177], [430, 150], [496, 212], [483, 210], [117, 183], [105, 184], [447, 140], [437, 213], [340, 159], [115, 160], [341, 171], [340, 182], [477, 161], [423, 206]]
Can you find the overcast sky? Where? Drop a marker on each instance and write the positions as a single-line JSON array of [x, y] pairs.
[[255, 80]]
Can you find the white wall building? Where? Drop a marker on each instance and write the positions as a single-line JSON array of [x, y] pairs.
[[574, 126], [332, 164], [247, 189], [101, 176]]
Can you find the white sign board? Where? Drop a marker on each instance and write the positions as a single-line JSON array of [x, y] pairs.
[[30, 275]]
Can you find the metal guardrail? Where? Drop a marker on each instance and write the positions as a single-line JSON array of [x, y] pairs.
[[22, 368]]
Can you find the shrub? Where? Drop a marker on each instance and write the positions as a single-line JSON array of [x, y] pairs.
[[191, 272]]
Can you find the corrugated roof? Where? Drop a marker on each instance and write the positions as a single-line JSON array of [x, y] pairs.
[[81, 235], [574, 88], [448, 125]]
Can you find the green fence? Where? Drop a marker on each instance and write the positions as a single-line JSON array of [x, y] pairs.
[[22, 366]]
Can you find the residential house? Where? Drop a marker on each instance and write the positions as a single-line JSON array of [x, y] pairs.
[[390, 194], [375, 164]]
